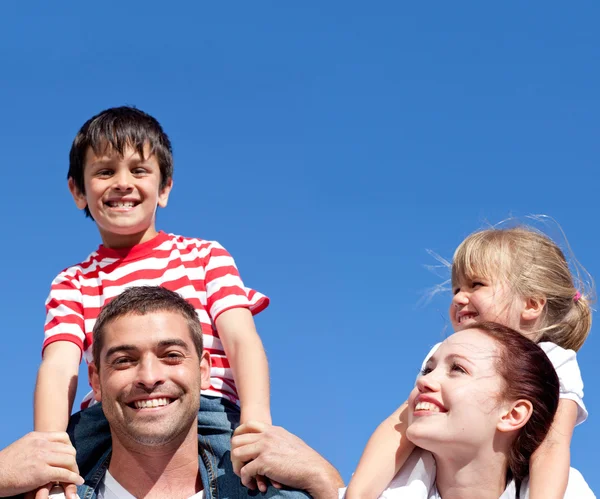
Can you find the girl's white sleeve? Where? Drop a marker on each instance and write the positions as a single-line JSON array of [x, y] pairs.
[[569, 376]]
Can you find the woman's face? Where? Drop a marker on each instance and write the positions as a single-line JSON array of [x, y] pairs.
[[456, 400]]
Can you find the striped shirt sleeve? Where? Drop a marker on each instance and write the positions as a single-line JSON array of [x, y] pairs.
[[224, 287], [64, 313]]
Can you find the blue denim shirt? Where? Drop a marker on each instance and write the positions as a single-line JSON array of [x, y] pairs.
[[89, 489]]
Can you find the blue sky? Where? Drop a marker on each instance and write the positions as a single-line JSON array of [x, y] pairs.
[[327, 146]]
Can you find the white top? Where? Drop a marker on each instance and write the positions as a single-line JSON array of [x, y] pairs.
[[567, 370], [416, 480], [111, 489]]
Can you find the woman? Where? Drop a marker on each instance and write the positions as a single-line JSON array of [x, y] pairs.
[[481, 406]]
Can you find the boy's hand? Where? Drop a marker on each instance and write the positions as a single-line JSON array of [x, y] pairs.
[[36, 459]]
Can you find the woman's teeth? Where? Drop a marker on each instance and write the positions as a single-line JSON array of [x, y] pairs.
[[427, 406]]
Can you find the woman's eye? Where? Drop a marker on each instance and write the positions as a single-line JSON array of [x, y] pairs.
[[425, 370], [457, 368]]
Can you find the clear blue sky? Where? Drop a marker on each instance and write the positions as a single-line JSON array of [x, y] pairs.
[[327, 145]]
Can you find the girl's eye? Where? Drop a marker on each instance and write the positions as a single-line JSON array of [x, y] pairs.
[[456, 291], [477, 284]]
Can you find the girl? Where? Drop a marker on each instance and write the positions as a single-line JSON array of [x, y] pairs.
[[519, 278]]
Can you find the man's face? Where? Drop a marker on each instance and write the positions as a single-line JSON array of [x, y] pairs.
[[150, 379]]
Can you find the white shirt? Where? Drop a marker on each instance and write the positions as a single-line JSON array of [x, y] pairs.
[[111, 489], [416, 480]]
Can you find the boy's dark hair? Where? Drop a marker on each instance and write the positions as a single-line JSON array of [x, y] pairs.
[[117, 128], [142, 300]]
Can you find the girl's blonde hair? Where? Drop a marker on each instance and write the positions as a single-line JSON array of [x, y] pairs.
[[535, 267]]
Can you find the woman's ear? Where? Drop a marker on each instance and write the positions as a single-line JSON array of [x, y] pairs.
[[515, 415], [533, 308]]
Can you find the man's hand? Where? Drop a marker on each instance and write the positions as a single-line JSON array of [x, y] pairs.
[[261, 449], [35, 460]]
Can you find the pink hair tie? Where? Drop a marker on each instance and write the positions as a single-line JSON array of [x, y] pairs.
[[576, 297]]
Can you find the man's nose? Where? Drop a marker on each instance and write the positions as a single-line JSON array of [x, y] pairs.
[[150, 373]]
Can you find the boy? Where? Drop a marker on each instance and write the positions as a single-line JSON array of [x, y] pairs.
[[120, 171]]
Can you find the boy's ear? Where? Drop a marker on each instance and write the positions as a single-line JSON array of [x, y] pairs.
[[78, 196], [163, 195], [533, 309], [94, 378], [515, 415]]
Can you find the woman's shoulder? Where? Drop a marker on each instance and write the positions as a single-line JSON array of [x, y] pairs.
[[577, 488]]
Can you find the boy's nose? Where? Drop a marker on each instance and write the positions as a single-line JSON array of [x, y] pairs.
[[123, 182]]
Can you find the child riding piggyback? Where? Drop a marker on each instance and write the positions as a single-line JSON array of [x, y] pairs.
[[120, 171], [520, 278]]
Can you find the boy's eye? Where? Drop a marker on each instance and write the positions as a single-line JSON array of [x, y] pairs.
[[104, 173], [139, 171]]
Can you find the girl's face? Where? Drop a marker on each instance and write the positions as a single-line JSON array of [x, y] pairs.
[[484, 299], [456, 401]]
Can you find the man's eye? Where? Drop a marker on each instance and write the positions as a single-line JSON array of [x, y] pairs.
[[122, 361], [174, 357]]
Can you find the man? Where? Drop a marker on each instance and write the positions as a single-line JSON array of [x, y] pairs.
[[148, 370]]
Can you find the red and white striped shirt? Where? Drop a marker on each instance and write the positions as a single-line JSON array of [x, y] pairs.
[[203, 272]]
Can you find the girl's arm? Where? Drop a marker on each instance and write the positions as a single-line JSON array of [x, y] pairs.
[[385, 453], [549, 467], [56, 386], [248, 362]]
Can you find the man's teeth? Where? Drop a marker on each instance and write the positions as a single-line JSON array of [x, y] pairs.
[[121, 204], [427, 406], [147, 404]]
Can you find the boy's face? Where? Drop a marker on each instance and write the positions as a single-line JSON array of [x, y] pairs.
[[122, 194]]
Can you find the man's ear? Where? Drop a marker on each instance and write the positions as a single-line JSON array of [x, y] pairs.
[[78, 196], [94, 378], [515, 415], [533, 308], [163, 195], [205, 370]]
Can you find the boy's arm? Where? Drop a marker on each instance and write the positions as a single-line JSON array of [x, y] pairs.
[[248, 362], [56, 386], [549, 467], [386, 451]]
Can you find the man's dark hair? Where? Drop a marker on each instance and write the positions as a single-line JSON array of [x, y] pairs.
[[116, 128], [142, 300]]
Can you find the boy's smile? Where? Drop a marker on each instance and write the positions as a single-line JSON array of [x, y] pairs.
[[122, 194]]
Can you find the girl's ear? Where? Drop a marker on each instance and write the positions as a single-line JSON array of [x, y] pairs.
[[533, 308], [515, 415]]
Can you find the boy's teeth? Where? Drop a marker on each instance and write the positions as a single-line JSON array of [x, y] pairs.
[[427, 406], [122, 204], [146, 404]]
